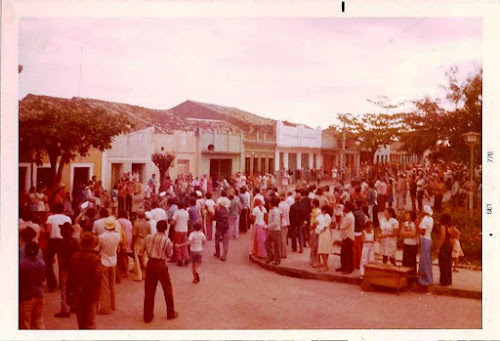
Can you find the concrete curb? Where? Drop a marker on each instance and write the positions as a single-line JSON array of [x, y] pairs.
[[304, 274]]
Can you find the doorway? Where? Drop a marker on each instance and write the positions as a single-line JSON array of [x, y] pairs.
[[81, 175], [44, 176], [116, 173], [23, 174], [139, 168], [183, 167], [221, 168]]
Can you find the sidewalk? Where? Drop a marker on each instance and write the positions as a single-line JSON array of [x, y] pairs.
[[467, 283]]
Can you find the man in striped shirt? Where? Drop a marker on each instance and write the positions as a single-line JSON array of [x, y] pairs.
[[158, 247]]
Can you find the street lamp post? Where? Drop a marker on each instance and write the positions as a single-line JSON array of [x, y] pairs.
[[472, 139], [358, 159]]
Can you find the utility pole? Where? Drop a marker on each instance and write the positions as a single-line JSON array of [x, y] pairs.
[[80, 79], [342, 153]]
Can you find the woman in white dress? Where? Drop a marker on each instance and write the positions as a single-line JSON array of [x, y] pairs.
[[368, 240], [389, 227], [325, 246]]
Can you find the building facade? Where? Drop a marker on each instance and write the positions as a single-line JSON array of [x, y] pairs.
[[297, 146]]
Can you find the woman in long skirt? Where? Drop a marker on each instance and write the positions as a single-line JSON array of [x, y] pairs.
[[259, 232], [425, 265], [445, 249], [325, 246]]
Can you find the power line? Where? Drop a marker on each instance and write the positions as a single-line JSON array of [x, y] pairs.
[[405, 30]]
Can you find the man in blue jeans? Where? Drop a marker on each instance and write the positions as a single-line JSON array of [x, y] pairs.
[[221, 231]]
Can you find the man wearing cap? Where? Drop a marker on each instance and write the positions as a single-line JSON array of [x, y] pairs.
[[108, 246], [54, 222], [84, 281]]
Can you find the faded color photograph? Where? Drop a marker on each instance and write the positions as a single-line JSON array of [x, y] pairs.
[[250, 173]]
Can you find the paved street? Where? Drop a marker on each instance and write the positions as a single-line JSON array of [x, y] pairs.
[[240, 295]]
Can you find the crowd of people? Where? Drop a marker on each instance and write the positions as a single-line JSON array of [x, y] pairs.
[[97, 235]]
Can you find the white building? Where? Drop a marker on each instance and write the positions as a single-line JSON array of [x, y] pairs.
[[297, 146]]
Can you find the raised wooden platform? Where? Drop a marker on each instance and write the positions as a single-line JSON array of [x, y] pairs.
[[385, 275]]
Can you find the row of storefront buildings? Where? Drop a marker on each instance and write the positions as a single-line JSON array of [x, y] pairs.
[[206, 139]]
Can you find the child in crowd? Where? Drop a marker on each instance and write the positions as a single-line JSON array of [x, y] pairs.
[[368, 252], [196, 241], [339, 212], [457, 249]]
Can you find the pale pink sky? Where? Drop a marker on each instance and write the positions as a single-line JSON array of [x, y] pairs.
[[300, 69]]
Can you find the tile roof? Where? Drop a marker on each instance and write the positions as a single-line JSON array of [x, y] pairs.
[[242, 119], [187, 116], [162, 120]]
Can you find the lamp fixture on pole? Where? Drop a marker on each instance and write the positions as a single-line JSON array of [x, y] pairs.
[[472, 139]]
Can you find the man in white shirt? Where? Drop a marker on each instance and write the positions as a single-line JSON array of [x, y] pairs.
[[53, 223], [284, 209], [98, 227], [181, 219], [209, 216], [152, 222], [420, 191], [347, 234], [223, 200], [108, 246], [158, 213], [258, 196]]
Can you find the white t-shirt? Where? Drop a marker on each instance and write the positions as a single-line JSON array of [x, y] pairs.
[[108, 245], [210, 205], [388, 226], [420, 184], [285, 213], [159, 214], [181, 218], [98, 227], [56, 220], [224, 201], [427, 224], [153, 223], [259, 215], [260, 197], [409, 226], [197, 238]]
